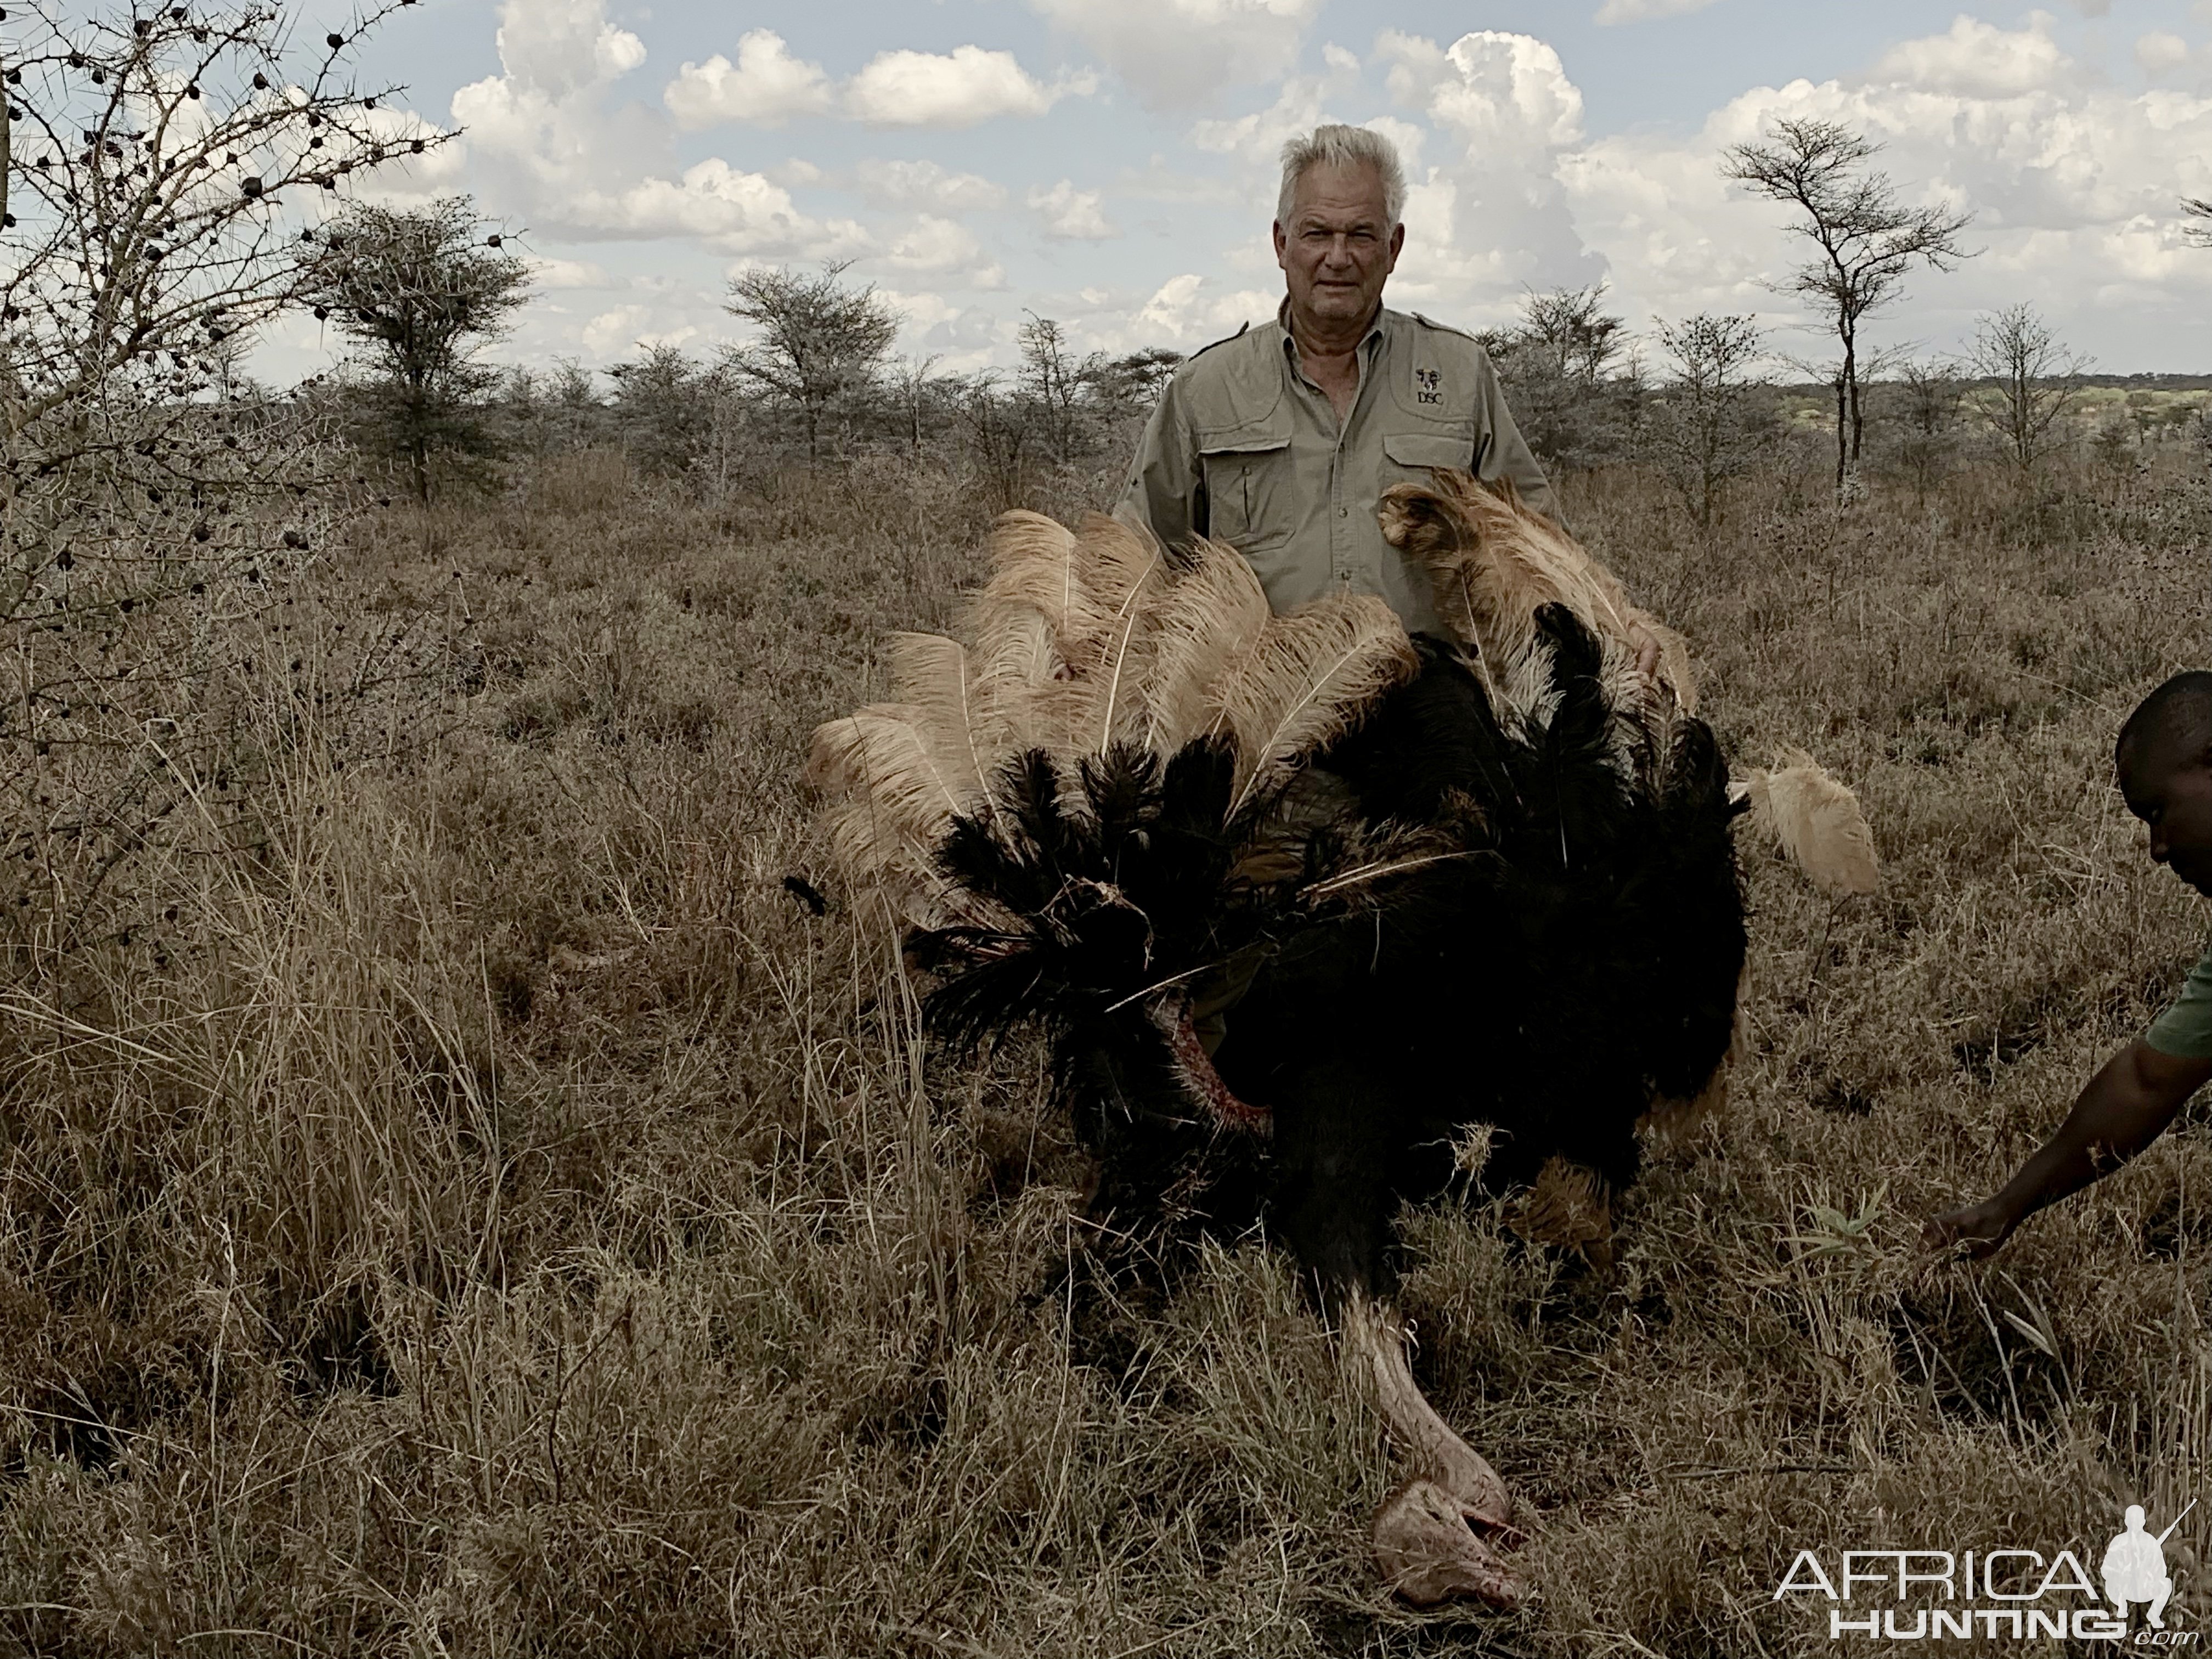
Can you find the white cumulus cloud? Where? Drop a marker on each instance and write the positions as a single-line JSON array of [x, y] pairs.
[[1494, 216], [1073, 215], [937, 246], [559, 45], [1188, 310], [766, 87], [959, 337], [2160, 51], [546, 145], [549, 274], [611, 332], [1636, 11], [1976, 59], [905, 184], [439, 170], [1178, 53], [958, 89], [1255, 138]]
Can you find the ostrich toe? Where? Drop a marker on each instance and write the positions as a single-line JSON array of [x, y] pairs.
[[1428, 1553]]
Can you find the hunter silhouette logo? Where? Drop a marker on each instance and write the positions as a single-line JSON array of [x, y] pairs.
[[1426, 385], [2134, 1567], [2005, 1594]]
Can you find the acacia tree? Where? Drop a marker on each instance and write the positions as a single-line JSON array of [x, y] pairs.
[[1576, 390], [1704, 431], [1927, 396], [822, 343], [919, 392], [1053, 380], [2015, 350], [155, 164], [548, 412], [1865, 241], [419, 293], [1132, 383]]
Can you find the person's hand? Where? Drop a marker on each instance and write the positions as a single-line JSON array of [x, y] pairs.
[[1975, 1232], [1647, 649]]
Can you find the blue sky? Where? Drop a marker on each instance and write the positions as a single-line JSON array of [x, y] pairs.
[[1110, 162]]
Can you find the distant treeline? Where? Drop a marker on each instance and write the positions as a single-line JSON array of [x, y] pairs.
[[1702, 401]]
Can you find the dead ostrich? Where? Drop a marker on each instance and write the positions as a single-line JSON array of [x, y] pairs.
[[1423, 860]]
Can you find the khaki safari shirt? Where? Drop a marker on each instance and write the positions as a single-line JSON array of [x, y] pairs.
[[1245, 448], [2185, 1029]]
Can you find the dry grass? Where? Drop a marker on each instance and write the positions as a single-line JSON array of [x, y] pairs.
[[508, 1222]]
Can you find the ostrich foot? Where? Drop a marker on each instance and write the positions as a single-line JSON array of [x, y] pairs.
[[1427, 1554], [1376, 1343]]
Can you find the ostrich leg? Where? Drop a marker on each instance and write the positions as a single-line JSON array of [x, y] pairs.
[[1424, 1542]]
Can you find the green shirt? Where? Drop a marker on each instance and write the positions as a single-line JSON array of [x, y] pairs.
[[2185, 1029], [1245, 448]]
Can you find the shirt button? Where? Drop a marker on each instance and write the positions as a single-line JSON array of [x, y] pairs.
[[1343, 512]]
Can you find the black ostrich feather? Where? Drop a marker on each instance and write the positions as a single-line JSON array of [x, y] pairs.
[[1566, 948], [1120, 887]]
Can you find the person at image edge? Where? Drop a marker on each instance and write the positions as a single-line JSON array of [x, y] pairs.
[[2164, 759]]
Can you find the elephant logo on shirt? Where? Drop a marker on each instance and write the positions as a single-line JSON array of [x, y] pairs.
[[1427, 386]]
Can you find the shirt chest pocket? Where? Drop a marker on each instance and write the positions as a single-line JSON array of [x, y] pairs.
[[1412, 454], [1249, 492]]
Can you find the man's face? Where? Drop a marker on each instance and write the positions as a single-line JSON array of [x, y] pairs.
[[2168, 785], [1340, 245]]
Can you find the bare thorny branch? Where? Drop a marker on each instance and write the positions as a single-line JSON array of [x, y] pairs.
[[158, 168]]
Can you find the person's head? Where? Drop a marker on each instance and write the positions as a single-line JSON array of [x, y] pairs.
[[1337, 227], [2164, 759], [2135, 1518]]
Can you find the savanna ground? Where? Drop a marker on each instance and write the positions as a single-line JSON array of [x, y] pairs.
[[492, 1215]]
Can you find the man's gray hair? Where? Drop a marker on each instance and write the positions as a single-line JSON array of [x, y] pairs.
[[1339, 146]]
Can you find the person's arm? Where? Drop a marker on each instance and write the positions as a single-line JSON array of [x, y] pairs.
[[2124, 1109], [1166, 492], [1500, 449]]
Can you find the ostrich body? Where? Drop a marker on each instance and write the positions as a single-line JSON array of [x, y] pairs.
[[1485, 880]]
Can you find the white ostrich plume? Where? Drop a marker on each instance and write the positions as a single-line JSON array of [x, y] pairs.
[[1081, 639], [1816, 821]]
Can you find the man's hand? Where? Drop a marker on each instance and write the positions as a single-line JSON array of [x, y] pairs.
[[2124, 1109], [1647, 648], [1975, 1232]]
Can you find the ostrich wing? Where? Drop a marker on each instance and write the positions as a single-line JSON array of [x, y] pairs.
[[1213, 614], [1033, 566], [930, 678], [1305, 683], [889, 803], [1493, 563]]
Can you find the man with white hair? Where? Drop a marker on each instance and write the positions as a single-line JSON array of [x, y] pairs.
[[1281, 440]]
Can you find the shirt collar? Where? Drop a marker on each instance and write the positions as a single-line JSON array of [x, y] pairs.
[[1367, 343]]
